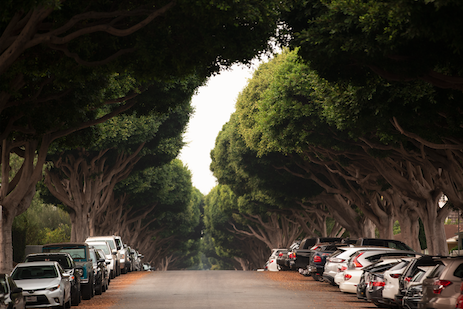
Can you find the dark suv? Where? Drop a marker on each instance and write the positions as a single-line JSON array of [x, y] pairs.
[[81, 255], [67, 263], [378, 242]]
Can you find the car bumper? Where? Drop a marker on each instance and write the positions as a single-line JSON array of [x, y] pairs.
[[43, 299]]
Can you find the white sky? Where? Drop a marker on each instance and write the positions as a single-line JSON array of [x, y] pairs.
[[214, 103]]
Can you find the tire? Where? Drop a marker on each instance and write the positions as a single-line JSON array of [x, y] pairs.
[[87, 291], [68, 304], [111, 274], [99, 288], [75, 297]]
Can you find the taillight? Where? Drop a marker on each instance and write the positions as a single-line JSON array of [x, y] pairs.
[[356, 262], [343, 268], [336, 260], [395, 276], [314, 247], [347, 276], [281, 254], [439, 285], [408, 279], [317, 259], [377, 283]]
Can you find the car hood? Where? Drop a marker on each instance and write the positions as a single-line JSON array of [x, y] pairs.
[[37, 284]]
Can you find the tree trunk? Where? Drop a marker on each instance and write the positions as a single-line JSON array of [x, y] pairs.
[[80, 226]]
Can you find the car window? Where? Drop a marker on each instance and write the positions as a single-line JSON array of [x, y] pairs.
[[35, 272], [459, 271], [104, 248], [78, 254], [375, 242], [437, 271], [3, 286]]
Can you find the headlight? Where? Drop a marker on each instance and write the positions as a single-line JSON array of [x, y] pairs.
[[53, 288]]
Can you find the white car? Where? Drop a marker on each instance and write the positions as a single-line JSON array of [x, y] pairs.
[[110, 258], [337, 262], [44, 284], [363, 258], [272, 264], [113, 244], [391, 281]]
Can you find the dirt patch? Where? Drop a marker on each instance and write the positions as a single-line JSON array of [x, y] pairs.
[[112, 295]]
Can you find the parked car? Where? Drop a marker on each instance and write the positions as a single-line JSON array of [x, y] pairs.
[[391, 282], [416, 268], [100, 272], [388, 243], [136, 259], [124, 261], [271, 264], [317, 260], [65, 260], [459, 304], [113, 244], [414, 291], [80, 253], [11, 296], [441, 287], [109, 256], [337, 262], [363, 258], [288, 258], [44, 284], [107, 279], [300, 257], [375, 281]]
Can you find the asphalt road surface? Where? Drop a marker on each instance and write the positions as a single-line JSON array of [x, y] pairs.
[[225, 289]]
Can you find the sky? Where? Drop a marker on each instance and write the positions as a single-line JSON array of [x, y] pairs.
[[214, 103]]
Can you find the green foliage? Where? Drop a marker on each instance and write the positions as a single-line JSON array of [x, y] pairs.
[[39, 225]]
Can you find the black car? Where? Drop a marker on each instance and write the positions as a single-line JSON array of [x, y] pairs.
[[11, 296], [318, 258], [388, 243], [300, 257], [412, 270], [100, 272], [67, 263]]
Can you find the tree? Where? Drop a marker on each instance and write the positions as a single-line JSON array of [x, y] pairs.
[[399, 40], [42, 42], [325, 127], [84, 179]]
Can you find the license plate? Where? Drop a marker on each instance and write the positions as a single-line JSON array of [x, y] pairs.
[[31, 299]]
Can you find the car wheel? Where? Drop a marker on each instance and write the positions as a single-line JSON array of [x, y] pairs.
[[75, 298], [68, 304], [99, 288], [87, 291], [111, 274]]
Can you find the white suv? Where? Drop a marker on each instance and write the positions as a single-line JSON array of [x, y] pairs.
[[112, 242], [123, 255]]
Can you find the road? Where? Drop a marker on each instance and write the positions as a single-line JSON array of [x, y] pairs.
[[227, 289]]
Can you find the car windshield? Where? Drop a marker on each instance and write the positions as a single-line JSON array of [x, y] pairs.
[[77, 253], [102, 247], [35, 272]]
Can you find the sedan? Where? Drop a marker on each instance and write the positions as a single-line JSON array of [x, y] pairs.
[[11, 296], [44, 284]]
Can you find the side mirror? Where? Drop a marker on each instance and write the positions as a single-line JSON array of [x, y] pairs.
[[114, 252], [66, 275], [101, 260]]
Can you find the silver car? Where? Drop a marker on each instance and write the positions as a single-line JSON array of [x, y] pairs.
[[109, 256], [44, 284]]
